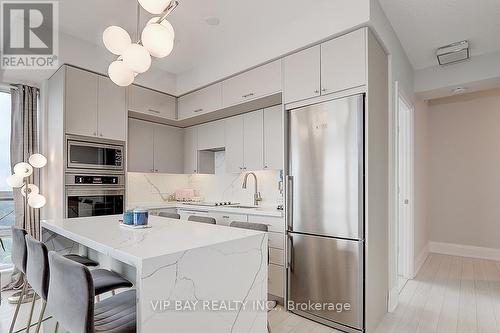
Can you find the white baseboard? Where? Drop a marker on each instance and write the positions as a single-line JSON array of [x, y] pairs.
[[465, 250], [422, 256], [393, 301]]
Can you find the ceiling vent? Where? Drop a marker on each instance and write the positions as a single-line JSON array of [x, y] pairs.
[[453, 53]]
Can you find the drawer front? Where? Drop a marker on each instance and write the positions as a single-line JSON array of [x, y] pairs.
[[151, 102], [226, 219], [276, 256], [275, 224], [276, 280], [258, 82], [277, 240], [205, 100]]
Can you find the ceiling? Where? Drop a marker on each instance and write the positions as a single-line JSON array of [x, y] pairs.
[[424, 25], [196, 40]]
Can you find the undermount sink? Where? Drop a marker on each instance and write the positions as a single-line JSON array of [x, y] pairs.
[[243, 206]]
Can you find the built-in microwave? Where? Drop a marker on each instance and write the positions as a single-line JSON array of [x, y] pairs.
[[96, 155]]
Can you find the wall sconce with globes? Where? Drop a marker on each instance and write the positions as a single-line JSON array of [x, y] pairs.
[[19, 179], [156, 40]]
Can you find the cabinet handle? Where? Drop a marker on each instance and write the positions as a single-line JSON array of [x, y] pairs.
[[154, 111], [247, 95], [316, 91], [324, 90], [152, 170], [156, 170], [197, 110], [265, 166], [100, 134], [225, 217]]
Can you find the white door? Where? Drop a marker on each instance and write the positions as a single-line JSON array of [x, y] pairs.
[[168, 149], [273, 138], [343, 62], [140, 146], [253, 140], [112, 110], [301, 75], [190, 150], [234, 144], [81, 102], [405, 195]]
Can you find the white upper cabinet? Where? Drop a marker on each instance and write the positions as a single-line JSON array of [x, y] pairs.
[[258, 82], [301, 75], [168, 149], [343, 62], [253, 141], [81, 102], [211, 135], [111, 110], [151, 102], [140, 154], [234, 144], [199, 102], [190, 150], [273, 138]]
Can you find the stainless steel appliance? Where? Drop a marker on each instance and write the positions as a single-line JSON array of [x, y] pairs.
[[325, 212], [94, 194], [101, 155]]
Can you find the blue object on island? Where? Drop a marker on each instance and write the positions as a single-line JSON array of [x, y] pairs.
[[140, 217], [128, 217]]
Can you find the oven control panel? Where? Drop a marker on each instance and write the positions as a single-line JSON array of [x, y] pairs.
[[106, 180]]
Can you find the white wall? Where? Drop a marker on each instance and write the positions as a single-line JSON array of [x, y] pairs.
[[149, 188], [421, 179], [464, 169]]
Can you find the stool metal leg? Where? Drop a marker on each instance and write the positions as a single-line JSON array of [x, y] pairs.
[[31, 313], [21, 296], [57, 327], [40, 318]]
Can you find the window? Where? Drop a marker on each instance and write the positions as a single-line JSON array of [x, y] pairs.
[[7, 214]]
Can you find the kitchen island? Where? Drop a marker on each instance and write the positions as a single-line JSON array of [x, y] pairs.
[[190, 277]]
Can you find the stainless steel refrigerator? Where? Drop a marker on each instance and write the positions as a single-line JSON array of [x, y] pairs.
[[325, 212]]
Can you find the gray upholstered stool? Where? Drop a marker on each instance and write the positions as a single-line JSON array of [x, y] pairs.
[[37, 274], [202, 219], [19, 257], [169, 215], [71, 301]]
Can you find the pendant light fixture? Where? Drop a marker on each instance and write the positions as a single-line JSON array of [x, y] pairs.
[[156, 39]]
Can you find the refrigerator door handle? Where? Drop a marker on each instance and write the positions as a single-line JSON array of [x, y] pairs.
[[290, 258], [289, 202]]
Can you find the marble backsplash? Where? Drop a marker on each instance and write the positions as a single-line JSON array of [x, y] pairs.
[[222, 186]]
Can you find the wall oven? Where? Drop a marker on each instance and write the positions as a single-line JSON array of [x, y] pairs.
[[98, 155], [94, 194]]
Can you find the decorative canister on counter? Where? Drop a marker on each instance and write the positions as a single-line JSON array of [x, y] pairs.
[[140, 216], [128, 217]]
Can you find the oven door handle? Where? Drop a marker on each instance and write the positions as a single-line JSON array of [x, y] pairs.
[[86, 190]]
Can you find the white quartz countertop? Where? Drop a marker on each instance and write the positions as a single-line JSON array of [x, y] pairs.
[[166, 236], [262, 211]]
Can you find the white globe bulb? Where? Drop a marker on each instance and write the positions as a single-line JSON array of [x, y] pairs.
[[116, 39], [15, 181], [37, 160], [120, 74], [36, 200], [164, 23], [155, 6], [32, 189], [23, 169], [137, 58], [157, 40]]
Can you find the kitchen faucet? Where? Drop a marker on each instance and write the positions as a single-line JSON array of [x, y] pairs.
[[256, 196]]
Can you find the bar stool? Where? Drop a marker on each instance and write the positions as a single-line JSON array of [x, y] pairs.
[[38, 275], [202, 219], [71, 301], [19, 258], [170, 215]]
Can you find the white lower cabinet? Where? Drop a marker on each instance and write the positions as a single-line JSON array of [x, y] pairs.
[[226, 219], [186, 213], [276, 256], [276, 280]]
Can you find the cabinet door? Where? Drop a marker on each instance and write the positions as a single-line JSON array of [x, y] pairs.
[[190, 150], [112, 110], [301, 75], [202, 101], [211, 135], [227, 218], [168, 149], [276, 280], [151, 102], [343, 62], [81, 102], [234, 144], [140, 146], [273, 138], [253, 140], [258, 82]]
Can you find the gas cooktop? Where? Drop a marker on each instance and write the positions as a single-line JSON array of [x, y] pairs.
[[210, 204]]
